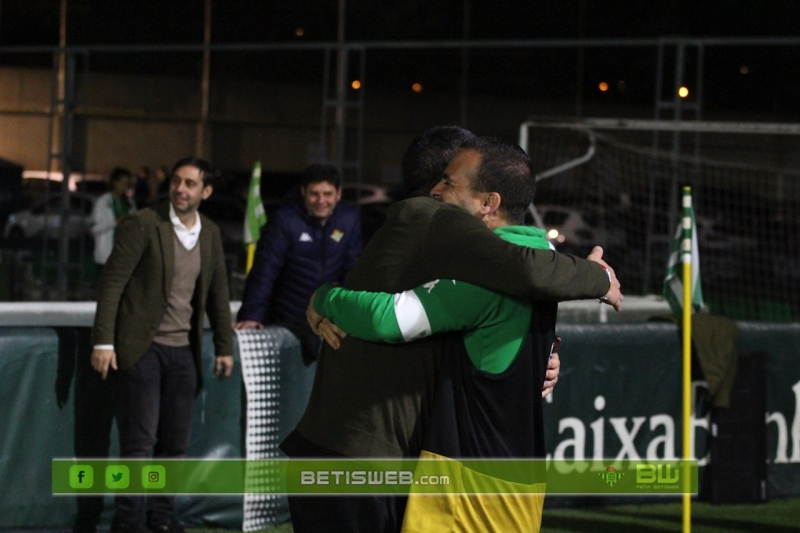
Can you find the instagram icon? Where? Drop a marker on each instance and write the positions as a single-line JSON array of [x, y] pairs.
[[154, 477]]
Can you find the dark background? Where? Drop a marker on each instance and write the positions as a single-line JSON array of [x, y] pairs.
[[769, 85]]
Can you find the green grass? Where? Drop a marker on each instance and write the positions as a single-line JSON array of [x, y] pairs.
[[776, 516]]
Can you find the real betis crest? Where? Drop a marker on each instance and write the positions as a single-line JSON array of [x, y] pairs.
[[611, 476], [337, 235]]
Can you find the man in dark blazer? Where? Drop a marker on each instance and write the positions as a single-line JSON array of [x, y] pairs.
[[166, 271]]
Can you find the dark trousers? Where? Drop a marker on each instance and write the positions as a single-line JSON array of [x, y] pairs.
[[353, 514], [155, 420], [96, 405], [333, 514]]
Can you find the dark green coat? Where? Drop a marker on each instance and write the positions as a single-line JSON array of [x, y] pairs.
[[424, 239], [135, 285]]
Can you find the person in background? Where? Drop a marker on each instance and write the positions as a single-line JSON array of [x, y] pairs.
[[313, 238], [141, 188], [166, 272], [108, 210], [162, 181], [151, 187]]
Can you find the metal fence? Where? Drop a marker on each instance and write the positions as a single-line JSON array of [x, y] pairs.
[[291, 104]]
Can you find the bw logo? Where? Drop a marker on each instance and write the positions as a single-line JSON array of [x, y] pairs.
[[611, 476], [658, 473]]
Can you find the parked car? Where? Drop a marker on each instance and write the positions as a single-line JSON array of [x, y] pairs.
[[366, 193], [43, 218], [228, 213], [720, 233], [572, 229], [40, 181], [373, 200]]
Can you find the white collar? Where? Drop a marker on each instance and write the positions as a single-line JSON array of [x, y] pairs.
[[188, 237]]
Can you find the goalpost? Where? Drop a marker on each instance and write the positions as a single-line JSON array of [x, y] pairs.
[[616, 183]]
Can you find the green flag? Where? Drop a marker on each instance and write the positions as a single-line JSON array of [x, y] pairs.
[[684, 248], [256, 216]]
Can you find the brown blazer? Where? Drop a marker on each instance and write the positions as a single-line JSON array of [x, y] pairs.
[[136, 281]]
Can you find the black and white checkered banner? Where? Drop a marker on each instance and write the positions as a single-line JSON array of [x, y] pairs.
[[259, 351]]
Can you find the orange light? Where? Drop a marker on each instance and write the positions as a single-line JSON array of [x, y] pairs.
[[683, 92], [356, 85], [603, 86], [417, 87], [299, 32]]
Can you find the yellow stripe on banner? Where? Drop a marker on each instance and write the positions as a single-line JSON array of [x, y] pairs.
[[251, 253]]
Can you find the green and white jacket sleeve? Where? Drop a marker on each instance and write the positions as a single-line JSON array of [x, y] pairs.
[[437, 306]]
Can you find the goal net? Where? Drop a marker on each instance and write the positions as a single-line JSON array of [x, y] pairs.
[[617, 183]]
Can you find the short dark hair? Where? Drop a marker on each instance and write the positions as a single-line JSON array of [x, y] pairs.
[[118, 173], [198, 163], [505, 169], [318, 172], [427, 157]]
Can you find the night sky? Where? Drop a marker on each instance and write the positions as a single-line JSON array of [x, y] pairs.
[[748, 79]]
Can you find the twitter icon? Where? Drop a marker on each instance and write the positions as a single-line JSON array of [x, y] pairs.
[[118, 477]]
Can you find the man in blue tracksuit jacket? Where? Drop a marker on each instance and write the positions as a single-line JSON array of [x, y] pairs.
[[311, 239]]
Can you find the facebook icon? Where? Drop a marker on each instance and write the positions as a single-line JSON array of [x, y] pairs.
[[81, 477]]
